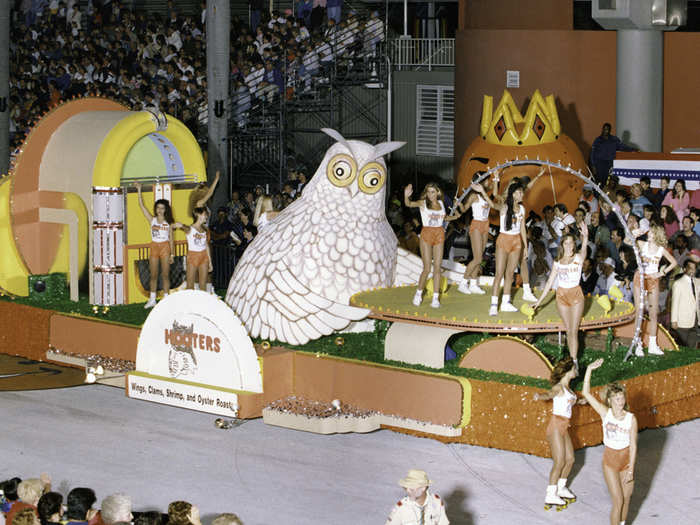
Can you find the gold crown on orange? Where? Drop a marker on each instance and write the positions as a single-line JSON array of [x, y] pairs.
[[506, 126]]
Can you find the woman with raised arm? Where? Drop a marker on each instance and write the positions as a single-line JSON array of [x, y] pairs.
[[478, 234], [651, 252], [198, 199], [563, 400], [620, 440], [570, 300], [198, 253], [432, 237], [162, 251], [511, 240]]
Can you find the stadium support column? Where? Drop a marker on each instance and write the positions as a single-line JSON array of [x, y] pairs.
[[4, 86], [218, 29]]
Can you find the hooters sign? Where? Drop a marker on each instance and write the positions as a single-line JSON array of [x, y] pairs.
[[193, 352]]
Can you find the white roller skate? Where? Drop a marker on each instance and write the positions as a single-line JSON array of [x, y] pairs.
[[475, 288], [528, 295], [418, 298], [551, 499], [639, 349], [653, 347], [464, 287], [564, 493], [508, 307]]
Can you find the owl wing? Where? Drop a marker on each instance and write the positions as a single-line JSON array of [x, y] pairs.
[[270, 299], [409, 267]]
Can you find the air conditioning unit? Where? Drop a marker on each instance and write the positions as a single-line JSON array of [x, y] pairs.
[[663, 15]]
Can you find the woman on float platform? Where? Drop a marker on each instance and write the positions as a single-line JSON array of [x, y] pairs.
[[432, 237], [509, 244], [620, 440], [563, 400], [570, 300], [161, 253], [651, 252]]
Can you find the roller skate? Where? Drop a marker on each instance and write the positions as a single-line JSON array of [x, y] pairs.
[[528, 295], [551, 500], [653, 347], [475, 288], [564, 493], [464, 287], [639, 349], [418, 298]]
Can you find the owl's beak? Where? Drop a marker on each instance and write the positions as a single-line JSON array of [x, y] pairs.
[[353, 189]]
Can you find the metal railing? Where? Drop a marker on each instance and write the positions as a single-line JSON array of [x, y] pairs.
[[421, 53]]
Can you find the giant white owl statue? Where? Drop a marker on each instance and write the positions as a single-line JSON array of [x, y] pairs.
[[294, 281]]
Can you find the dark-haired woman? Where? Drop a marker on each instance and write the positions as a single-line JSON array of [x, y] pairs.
[[511, 240], [679, 200], [567, 270], [620, 440], [50, 508], [162, 251], [560, 445], [198, 253]]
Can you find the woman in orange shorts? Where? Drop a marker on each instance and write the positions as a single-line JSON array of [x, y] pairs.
[[651, 252], [570, 301], [161, 253], [198, 256], [563, 400], [478, 235], [432, 237], [620, 440]]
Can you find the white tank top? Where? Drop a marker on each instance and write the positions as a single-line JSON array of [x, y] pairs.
[[563, 403], [432, 218], [569, 275], [616, 433], [263, 221], [196, 241], [480, 209], [517, 220], [160, 231], [650, 261]]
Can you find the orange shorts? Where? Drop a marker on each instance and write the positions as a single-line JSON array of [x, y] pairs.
[[617, 460], [509, 243], [569, 296], [558, 424], [160, 249], [197, 259], [650, 283], [433, 235], [479, 226]]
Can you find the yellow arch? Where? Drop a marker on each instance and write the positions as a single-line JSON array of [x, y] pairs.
[[121, 138], [13, 272]]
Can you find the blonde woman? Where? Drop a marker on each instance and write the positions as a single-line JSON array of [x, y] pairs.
[[651, 253], [432, 237], [570, 300], [620, 440], [264, 212], [563, 400]]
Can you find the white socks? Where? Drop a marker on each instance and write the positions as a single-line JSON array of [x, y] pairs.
[[152, 296], [526, 288], [506, 297]]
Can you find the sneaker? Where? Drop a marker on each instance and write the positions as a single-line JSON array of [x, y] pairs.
[[507, 307], [464, 288], [417, 299], [639, 351], [529, 296], [150, 304], [435, 303], [493, 310], [654, 350], [475, 289]]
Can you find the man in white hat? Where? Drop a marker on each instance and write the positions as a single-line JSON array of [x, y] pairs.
[[606, 279], [419, 507]]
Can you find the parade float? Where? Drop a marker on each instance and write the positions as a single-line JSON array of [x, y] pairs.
[[317, 331]]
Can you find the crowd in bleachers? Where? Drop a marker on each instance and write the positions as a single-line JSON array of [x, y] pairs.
[[31, 502], [64, 49]]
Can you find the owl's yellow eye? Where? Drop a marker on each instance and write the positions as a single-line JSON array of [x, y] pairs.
[[341, 170], [372, 178]]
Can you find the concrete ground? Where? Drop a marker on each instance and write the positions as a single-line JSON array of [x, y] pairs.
[[94, 436]]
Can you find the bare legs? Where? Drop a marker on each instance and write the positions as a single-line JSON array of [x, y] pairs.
[[562, 455], [432, 259], [571, 317], [652, 307], [620, 493], [197, 272], [478, 241]]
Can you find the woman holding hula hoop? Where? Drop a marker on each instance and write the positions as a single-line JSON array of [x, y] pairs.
[[162, 252], [651, 253], [620, 440], [478, 234], [570, 300], [432, 237], [563, 400], [511, 240]]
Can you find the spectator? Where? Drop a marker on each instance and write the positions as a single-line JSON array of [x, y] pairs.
[[227, 519], [690, 235], [654, 197], [25, 516], [183, 513], [606, 277], [418, 502], [409, 240], [678, 199], [333, 9], [149, 518], [669, 220], [637, 200], [685, 304], [589, 198], [221, 228], [50, 508], [603, 153], [116, 510], [597, 232], [79, 503], [589, 277], [680, 252], [608, 216], [28, 491]]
